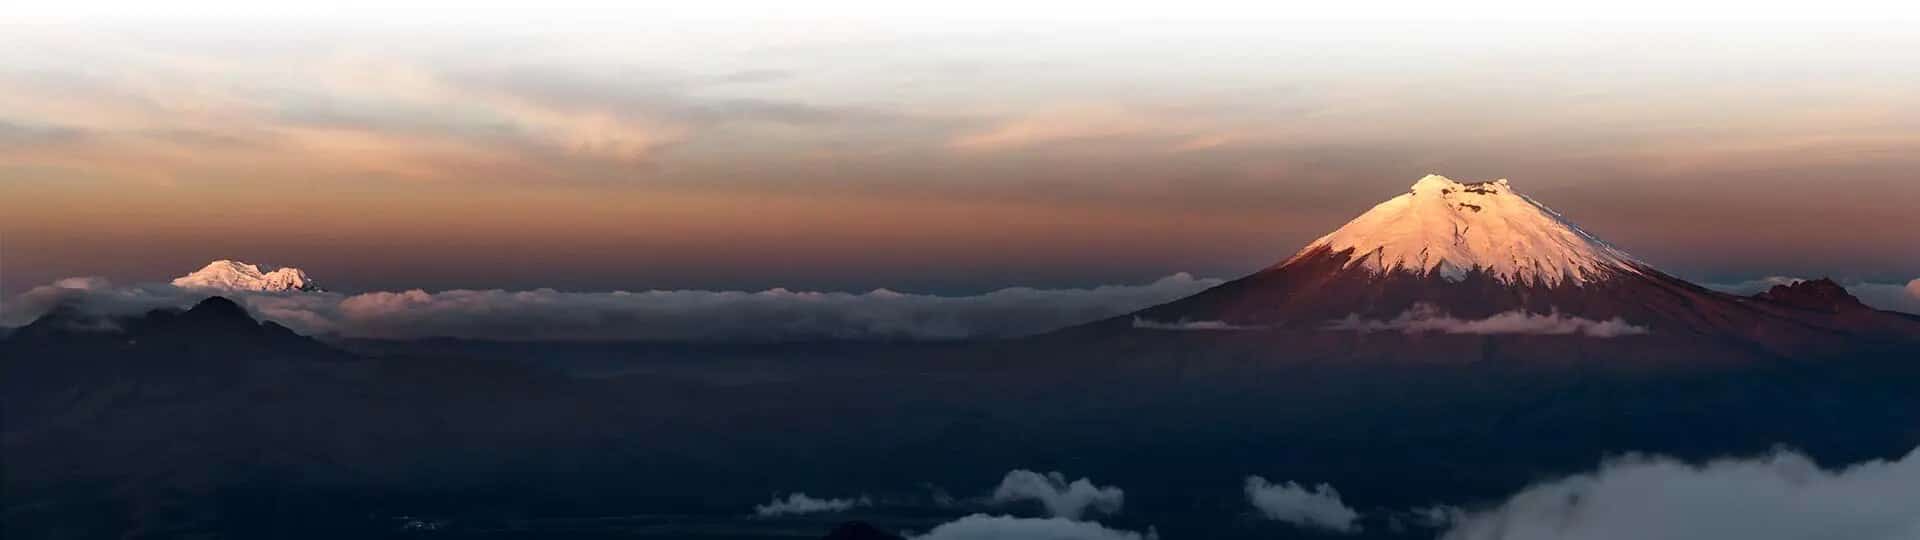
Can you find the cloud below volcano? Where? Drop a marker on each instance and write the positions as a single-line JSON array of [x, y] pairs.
[[1780, 496], [660, 315], [799, 503], [1426, 318]]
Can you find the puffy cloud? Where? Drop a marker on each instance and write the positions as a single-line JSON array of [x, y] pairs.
[[1776, 497], [772, 315], [1062, 499], [1183, 324], [800, 503], [1292, 503], [985, 527], [1891, 296], [1426, 318]]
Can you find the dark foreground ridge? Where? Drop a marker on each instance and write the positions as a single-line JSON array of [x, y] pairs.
[[207, 423]]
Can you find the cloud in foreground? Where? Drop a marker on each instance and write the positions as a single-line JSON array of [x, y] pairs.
[[1318, 508], [985, 527], [1061, 498], [1783, 496], [663, 315], [800, 503], [1426, 318]]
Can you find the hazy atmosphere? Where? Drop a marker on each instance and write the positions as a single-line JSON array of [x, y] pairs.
[[996, 270], [924, 155]]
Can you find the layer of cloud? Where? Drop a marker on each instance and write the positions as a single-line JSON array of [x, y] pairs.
[[986, 527], [1183, 324], [1783, 496], [799, 503], [1176, 132], [1062, 499], [1318, 508], [663, 315], [1426, 318], [1888, 296]]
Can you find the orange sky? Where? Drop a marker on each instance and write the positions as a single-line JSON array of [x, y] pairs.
[[944, 157]]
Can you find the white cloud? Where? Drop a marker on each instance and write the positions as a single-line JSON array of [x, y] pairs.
[[1891, 296], [1061, 498], [985, 527], [771, 315], [1184, 324], [1426, 318], [1783, 496], [1292, 503], [800, 503], [94, 296]]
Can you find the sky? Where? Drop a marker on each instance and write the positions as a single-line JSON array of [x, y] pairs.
[[948, 155]]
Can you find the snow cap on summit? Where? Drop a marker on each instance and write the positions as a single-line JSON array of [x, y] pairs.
[[227, 275], [1452, 228]]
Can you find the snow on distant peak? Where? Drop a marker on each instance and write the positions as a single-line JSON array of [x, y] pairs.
[[229, 275], [1453, 228]]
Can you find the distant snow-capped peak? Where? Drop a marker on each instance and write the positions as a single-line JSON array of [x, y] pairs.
[[1453, 228], [229, 275]]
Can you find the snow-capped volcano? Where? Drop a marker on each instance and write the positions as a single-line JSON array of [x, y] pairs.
[[226, 275], [1450, 228], [1478, 271]]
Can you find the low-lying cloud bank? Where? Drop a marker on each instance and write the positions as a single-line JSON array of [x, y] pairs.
[[1889, 296], [1183, 324], [986, 527], [800, 503], [1061, 498], [1319, 508], [1426, 318], [1783, 496], [663, 315]]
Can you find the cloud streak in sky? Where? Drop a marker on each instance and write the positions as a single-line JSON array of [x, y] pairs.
[[661, 315]]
